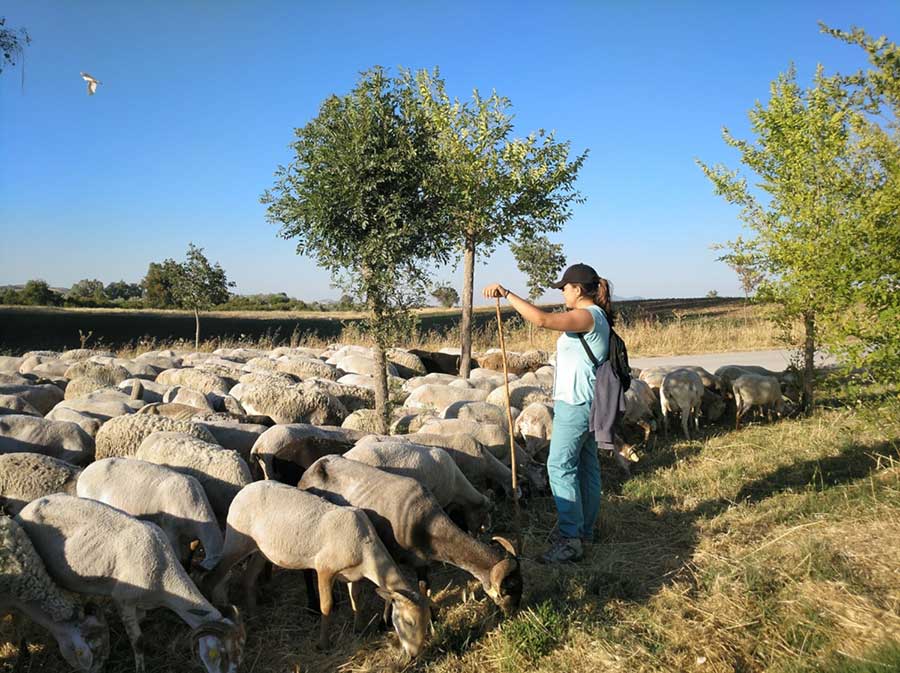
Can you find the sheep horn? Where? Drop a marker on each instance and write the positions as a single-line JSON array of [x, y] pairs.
[[506, 544]]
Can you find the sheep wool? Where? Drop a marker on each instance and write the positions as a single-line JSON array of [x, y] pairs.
[[123, 435]]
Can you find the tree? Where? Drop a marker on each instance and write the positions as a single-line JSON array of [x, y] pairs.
[[158, 285], [446, 296], [121, 290], [12, 43], [748, 275], [712, 294], [87, 289], [363, 196], [38, 293], [200, 286], [803, 156], [542, 262], [498, 188]]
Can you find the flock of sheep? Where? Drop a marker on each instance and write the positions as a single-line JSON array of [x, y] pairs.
[[117, 473]]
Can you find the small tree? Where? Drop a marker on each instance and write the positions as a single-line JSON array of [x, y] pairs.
[[11, 44], [498, 187], [712, 294], [446, 296], [363, 196], [38, 293], [123, 291], [542, 262], [159, 283], [200, 286], [87, 289], [748, 275]]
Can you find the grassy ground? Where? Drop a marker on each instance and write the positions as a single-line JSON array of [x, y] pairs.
[[774, 549]]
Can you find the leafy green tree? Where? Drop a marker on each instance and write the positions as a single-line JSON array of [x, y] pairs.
[[122, 291], [542, 262], [11, 43], [200, 286], [748, 275], [87, 289], [363, 197], [805, 164], [158, 285], [446, 296], [38, 293], [498, 188]]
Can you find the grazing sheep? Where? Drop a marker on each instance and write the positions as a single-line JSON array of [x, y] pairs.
[[31, 434], [435, 378], [432, 467], [439, 397], [27, 476], [654, 376], [81, 633], [300, 444], [520, 395], [298, 530], [221, 472], [352, 397], [682, 391], [101, 404], [534, 426], [637, 412], [9, 364], [87, 423], [95, 549], [406, 422], [234, 435], [190, 397], [190, 377], [754, 390], [42, 397], [175, 502], [478, 465], [304, 367], [13, 404], [712, 407], [517, 363], [291, 403], [481, 412], [121, 437], [110, 374], [413, 526], [407, 364], [364, 420], [174, 410]]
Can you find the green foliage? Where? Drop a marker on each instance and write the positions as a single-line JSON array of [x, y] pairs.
[[87, 289], [712, 294], [120, 290], [11, 43], [533, 633], [363, 196], [38, 293], [540, 260], [159, 284], [446, 296], [200, 285]]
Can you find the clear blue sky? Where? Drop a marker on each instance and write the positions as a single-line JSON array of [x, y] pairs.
[[199, 100]]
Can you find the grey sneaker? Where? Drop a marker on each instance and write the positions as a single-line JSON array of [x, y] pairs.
[[564, 550]]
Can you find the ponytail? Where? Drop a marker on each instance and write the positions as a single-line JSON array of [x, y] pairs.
[[601, 295]]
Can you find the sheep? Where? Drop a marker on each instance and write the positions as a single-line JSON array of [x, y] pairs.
[[87, 423], [221, 472], [13, 404], [9, 364], [712, 407], [189, 396], [517, 363], [434, 378], [413, 526], [520, 395], [234, 435], [300, 444], [432, 467], [291, 403], [352, 397], [42, 397], [482, 412], [364, 420], [174, 410], [304, 367], [654, 376], [95, 549], [407, 364], [100, 404], [477, 464], [175, 502], [637, 412], [753, 390], [682, 391], [123, 435], [84, 385], [439, 397], [111, 375], [298, 530], [534, 426], [60, 439], [27, 476], [205, 382], [80, 631]]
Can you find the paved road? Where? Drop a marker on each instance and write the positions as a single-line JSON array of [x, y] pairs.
[[775, 360]]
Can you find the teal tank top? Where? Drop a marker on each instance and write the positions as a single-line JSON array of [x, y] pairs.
[[574, 374]]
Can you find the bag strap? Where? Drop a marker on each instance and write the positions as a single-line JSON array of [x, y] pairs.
[[587, 349]]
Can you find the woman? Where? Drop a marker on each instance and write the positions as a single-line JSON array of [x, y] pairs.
[[573, 464]]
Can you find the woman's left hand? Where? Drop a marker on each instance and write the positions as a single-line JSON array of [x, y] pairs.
[[494, 290]]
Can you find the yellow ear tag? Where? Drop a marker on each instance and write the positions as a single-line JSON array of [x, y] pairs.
[[213, 653]]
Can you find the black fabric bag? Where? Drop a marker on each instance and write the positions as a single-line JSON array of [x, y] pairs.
[[618, 358]]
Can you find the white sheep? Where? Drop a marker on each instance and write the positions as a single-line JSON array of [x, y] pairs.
[[173, 501], [534, 426], [432, 467], [43, 396], [284, 403], [222, 472], [25, 587], [60, 439], [198, 379], [754, 390], [681, 391], [121, 437], [27, 476], [95, 549], [298, 530], [300, 444]]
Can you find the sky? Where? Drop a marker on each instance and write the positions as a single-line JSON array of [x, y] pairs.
[[199, 100]]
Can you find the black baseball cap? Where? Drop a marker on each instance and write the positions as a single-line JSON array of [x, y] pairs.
[[578, 273]]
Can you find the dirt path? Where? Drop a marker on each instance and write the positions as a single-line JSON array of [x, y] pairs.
[[775, 360]]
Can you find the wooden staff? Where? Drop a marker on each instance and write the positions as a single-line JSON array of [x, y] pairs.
[[512, 443]]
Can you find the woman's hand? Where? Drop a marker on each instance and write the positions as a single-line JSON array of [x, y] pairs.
[[494, 290]]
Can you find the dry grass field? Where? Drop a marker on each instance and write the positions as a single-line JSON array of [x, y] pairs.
[[773, 549]]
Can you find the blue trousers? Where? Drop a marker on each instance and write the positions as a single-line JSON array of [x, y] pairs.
[[574, 470]]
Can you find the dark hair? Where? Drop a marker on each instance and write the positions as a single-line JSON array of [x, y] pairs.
[[601, 295]]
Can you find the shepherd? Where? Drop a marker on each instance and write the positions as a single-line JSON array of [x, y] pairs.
[[582, 355]]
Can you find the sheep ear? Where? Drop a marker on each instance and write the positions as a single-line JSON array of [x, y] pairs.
[[423, 589], [384, 593], [198, 613], [506, 544]]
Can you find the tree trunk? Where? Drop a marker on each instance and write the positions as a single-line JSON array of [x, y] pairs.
[[465, 323], [809, 372], [197, 331], [382, 410]]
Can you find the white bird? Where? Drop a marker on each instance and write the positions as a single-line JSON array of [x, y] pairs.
[[92, 83]]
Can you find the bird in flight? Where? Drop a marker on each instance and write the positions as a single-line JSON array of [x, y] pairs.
[[92, 83]]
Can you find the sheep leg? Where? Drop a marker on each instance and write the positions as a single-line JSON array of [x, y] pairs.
[[312, 592], [133, 629], [665, 420], [685, 417], [237, 547], [326, 601], [647, 430], [248, 579], [356, 602], [23, 655]]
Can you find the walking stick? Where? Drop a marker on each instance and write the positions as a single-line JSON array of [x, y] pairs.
[[512, 444]]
